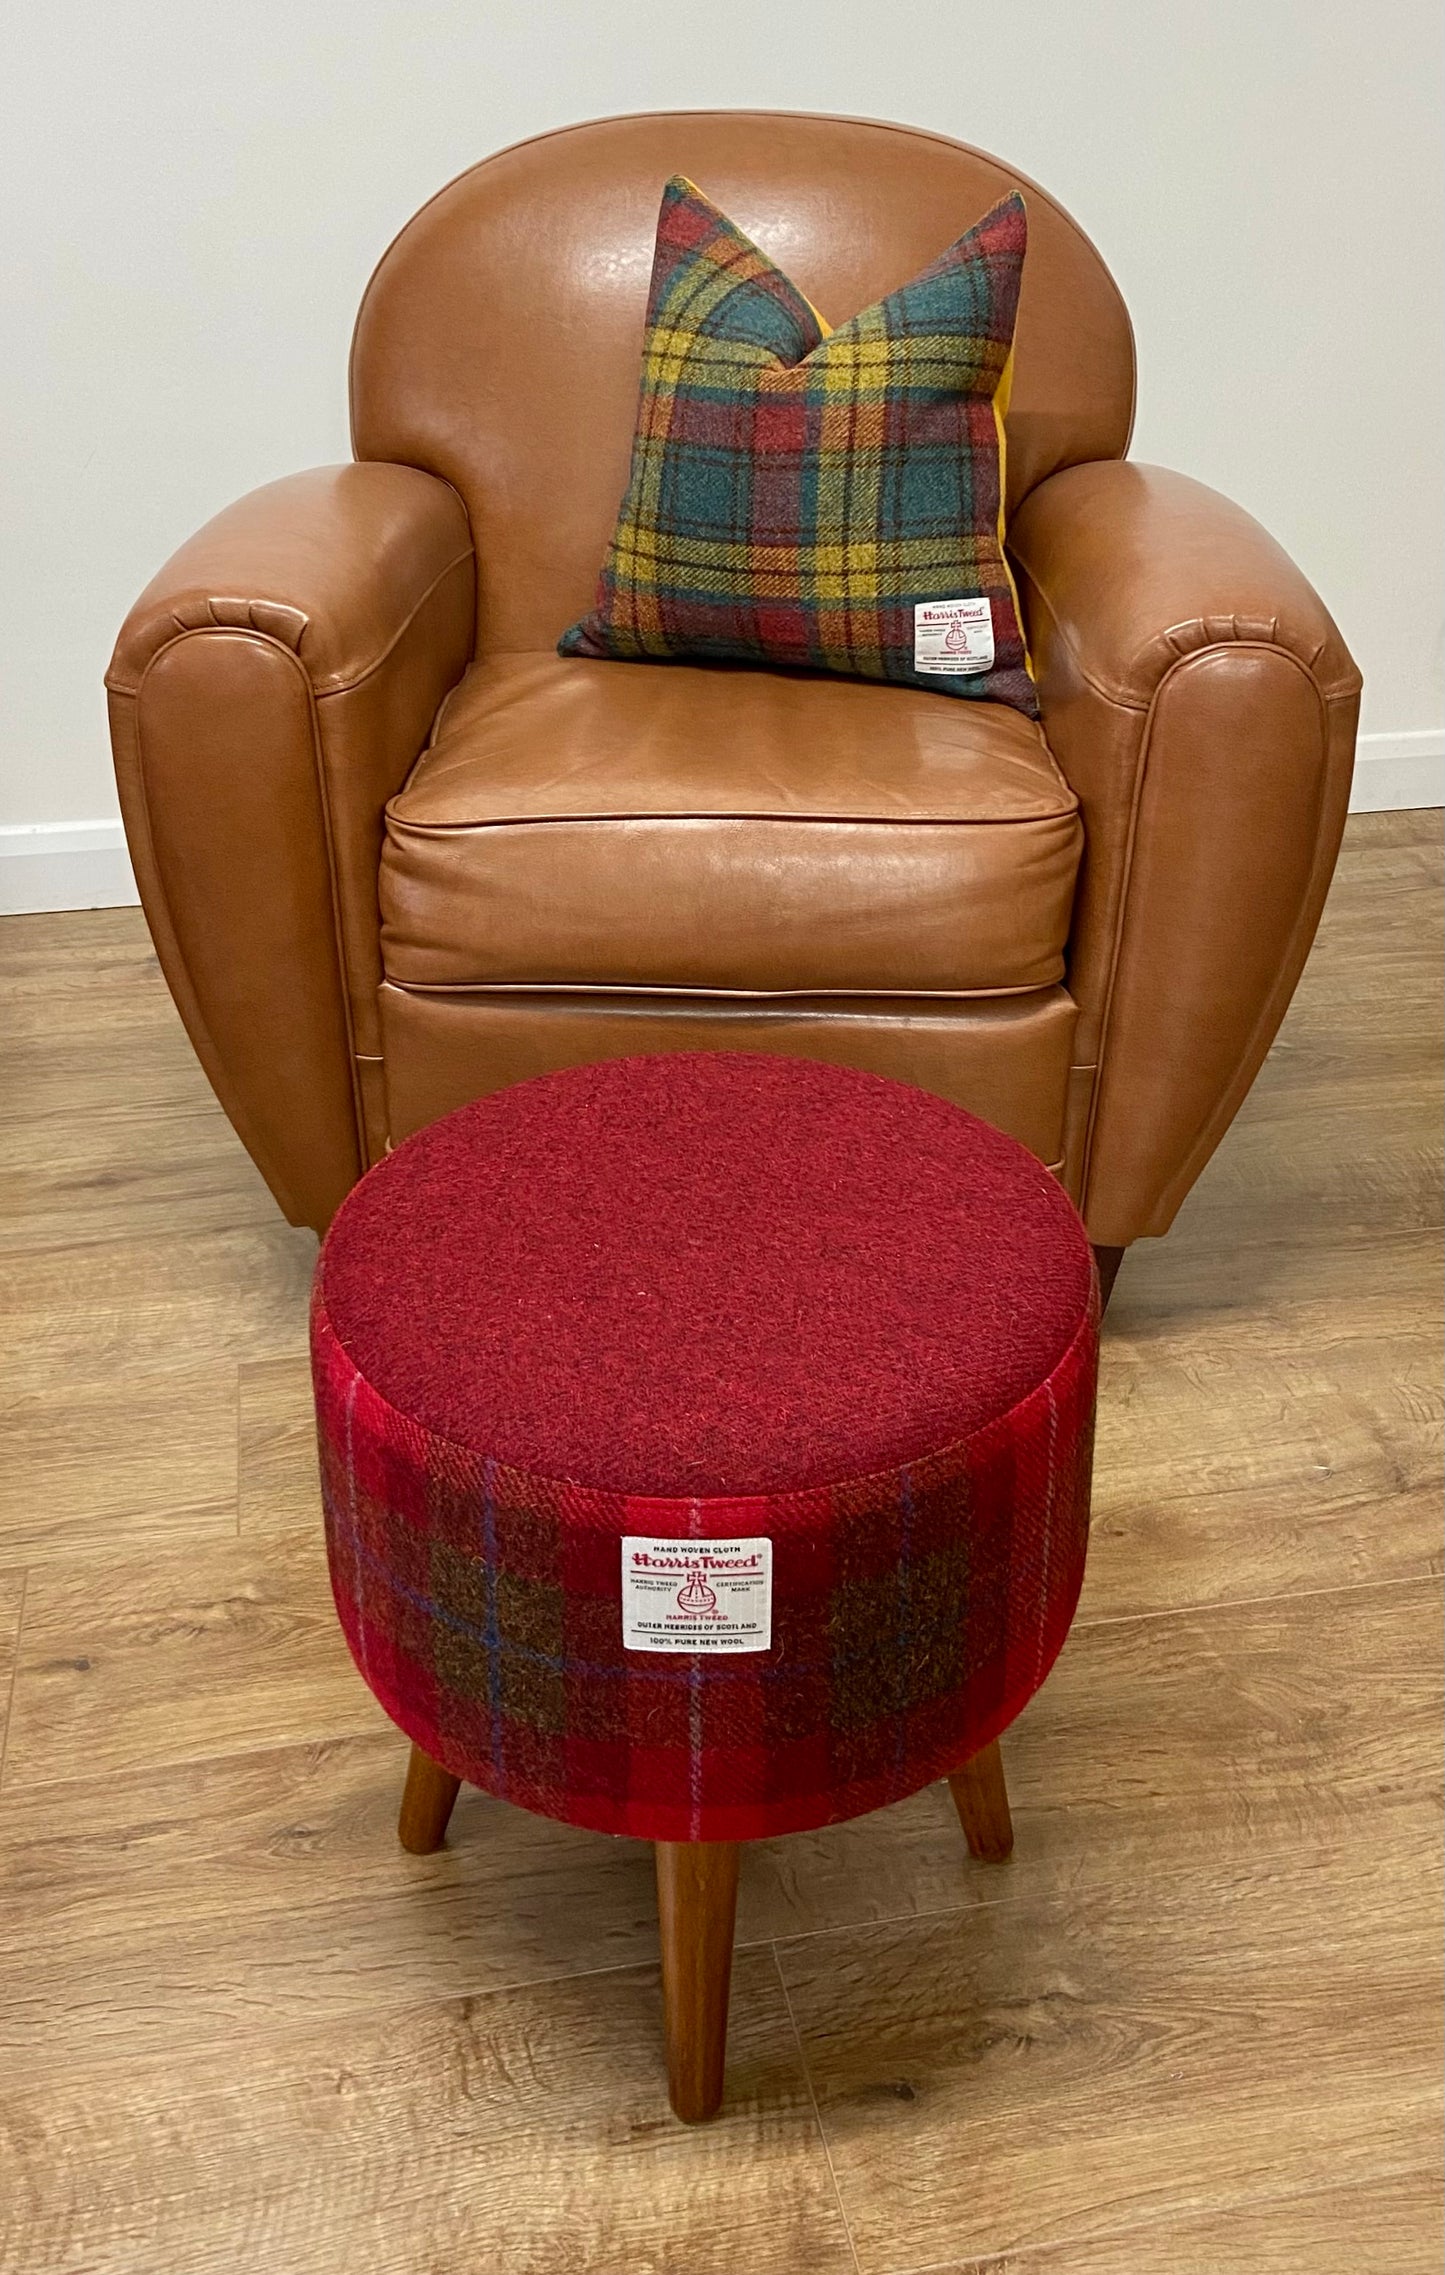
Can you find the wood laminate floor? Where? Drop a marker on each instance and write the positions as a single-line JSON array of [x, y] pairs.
[[1193, 2027]]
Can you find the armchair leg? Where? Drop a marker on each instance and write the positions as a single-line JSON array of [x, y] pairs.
[[1107, 1262], [697, 1890], [426, 1804]]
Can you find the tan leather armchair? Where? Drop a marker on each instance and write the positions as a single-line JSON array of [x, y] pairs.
[[394, 852]]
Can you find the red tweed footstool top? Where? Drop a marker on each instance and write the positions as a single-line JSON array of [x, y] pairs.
[[705, 1439]]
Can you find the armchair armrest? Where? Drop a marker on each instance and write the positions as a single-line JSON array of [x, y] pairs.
[[1202, 704], [269, 691]]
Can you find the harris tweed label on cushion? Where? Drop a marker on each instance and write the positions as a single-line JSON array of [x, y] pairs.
[[798, 497]]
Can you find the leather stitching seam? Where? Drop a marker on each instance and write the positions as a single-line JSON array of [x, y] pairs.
[[403, 824], [789, 996], [267, 640], [263, 631], [359, 679], [1171, 639]]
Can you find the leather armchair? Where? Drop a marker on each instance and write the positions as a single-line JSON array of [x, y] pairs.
[[394, 852]]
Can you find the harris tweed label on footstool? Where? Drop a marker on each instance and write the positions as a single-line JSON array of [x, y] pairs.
[[696, 1595]]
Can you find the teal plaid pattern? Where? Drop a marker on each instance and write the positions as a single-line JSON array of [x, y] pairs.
[[796, 493]]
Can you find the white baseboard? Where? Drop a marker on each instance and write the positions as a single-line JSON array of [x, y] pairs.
[[1392, 771], [50, 865], [54, 865]]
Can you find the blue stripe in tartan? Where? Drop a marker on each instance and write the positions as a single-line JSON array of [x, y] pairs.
[[499, 1646], [493, 1634], [432, 1608]]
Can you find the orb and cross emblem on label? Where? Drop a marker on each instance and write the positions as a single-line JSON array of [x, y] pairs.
[[695, 1594]]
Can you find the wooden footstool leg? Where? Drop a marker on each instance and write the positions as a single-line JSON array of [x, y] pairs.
[[981, 1799], [697, 1890], [426, 1804]]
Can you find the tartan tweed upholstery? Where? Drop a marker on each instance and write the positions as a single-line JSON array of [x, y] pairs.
[[794, 492], [916, 1606]]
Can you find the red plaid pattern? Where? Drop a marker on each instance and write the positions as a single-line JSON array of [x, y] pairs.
[[914, 1613]]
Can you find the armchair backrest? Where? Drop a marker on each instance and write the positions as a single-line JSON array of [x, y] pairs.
[[498, 344]]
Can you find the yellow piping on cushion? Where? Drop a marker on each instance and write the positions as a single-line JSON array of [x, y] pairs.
[[1001, 398]]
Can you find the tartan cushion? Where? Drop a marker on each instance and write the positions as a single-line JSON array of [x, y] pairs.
[[801, 497], [609, 1304]]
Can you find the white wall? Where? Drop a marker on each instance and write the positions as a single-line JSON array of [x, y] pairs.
[[194, 198]]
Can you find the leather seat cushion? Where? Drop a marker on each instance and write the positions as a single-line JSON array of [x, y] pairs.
[[696, 827]]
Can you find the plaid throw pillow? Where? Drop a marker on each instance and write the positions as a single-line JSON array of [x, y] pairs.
[[829, 500]]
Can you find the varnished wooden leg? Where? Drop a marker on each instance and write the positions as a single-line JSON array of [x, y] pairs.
[[981, 1799], [1107, 1262], [426, 1804], [697, 1889]]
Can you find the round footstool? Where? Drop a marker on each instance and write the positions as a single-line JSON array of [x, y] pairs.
[[705, 1447]]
